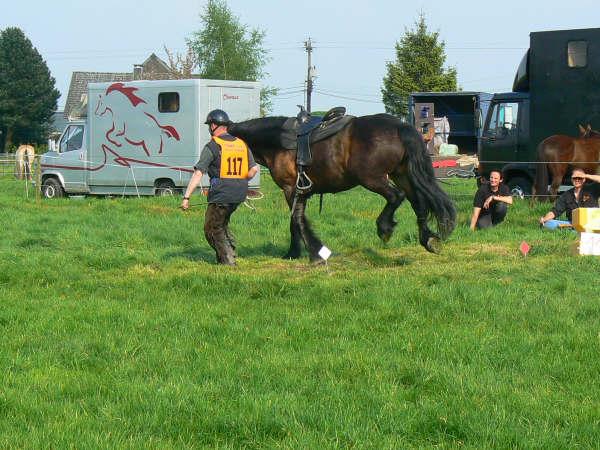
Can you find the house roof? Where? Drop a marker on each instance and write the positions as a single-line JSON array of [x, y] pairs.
[[156, 64]]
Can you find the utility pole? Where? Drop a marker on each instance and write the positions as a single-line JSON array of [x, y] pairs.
[[310, 74]]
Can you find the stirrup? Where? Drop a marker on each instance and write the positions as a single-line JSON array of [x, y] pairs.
[[303, 182]]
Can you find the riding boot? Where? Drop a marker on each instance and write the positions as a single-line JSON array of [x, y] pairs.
[[231, 240], [229, 235]]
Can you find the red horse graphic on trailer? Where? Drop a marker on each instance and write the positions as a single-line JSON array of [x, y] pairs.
[[131, 123]]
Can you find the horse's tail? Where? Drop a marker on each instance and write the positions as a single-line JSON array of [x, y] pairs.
[[423, 182], [540, 188]]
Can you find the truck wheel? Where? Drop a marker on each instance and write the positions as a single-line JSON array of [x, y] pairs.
[[51, 188], [165, 188], [519, 187]]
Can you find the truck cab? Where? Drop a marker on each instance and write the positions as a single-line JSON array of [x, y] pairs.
[[505, 142], [68, 152]]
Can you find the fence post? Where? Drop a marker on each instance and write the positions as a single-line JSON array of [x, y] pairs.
[[38, 179]]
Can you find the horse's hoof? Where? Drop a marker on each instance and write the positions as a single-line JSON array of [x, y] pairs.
[[290, 255], [434, 245], [385, 235]]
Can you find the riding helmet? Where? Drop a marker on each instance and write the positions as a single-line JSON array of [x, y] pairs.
[[218, 117]]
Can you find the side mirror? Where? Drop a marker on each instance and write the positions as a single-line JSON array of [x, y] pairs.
[[478, 120]]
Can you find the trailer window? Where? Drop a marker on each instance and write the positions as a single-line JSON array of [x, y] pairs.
[[168, 102], [577, 53]]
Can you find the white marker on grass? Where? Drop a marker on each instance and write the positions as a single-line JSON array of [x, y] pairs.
[[325, 253]]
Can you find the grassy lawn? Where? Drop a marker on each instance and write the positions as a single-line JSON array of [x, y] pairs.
[[119, 331]]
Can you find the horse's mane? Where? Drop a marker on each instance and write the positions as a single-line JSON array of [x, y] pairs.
[[264, 131], [260, 125]]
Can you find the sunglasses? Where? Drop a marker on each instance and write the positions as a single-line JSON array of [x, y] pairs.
[[577, 178]]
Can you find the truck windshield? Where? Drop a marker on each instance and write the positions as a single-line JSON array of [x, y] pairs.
[[503, 120], [72, 138]]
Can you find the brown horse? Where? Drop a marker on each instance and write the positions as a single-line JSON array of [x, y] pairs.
[[369, 151], [559, 153]]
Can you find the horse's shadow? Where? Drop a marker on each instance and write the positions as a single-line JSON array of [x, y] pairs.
[[193, 254], [377, 259], [207, 254], [269, 249]]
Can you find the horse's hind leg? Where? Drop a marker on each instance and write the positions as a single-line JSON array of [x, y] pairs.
[[394, 197], [557, 172], [427, 238], [556, 182]]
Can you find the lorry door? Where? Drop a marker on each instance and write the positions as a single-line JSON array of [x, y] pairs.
[[72, 158], [500, 139]]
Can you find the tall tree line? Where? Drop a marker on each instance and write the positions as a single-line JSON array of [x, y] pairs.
[[27, 91]]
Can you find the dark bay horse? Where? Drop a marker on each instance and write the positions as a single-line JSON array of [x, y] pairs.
[[559, 153], [369, 151]]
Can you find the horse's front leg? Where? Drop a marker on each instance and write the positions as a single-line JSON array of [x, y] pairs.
[[295, 237], [312, 242]]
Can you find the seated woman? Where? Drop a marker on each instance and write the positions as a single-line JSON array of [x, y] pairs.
[[490, 204], [582, 195]]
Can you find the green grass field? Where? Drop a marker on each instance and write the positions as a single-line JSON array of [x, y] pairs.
[[119, 331]]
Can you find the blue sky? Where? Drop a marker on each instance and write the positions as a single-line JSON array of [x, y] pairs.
[[352, 39]]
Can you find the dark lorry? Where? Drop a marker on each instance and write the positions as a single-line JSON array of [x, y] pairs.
[[556, 88]]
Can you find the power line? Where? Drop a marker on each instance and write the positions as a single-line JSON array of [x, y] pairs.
[[333, 91], [289, 94], [348, 98]]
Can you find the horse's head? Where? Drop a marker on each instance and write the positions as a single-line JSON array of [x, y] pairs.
[[587, 132], [101, 108]]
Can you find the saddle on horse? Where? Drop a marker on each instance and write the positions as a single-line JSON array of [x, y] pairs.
[[310, 129]]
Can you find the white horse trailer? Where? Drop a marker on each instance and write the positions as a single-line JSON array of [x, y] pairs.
[[142, 137]]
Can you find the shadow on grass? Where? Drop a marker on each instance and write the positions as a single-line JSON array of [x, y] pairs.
[[205, 254], [376, 259], [269, 249]]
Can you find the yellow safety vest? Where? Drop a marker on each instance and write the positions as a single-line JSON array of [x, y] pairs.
[[234, 158]]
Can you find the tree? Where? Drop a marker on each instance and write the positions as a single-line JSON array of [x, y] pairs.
[[181, 66], [226, 50], [27, 94], [420, 58]]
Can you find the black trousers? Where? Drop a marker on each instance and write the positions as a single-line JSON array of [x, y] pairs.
[[217, 233], [496, 214]]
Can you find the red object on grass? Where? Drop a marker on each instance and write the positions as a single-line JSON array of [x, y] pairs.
[[524, 247]]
